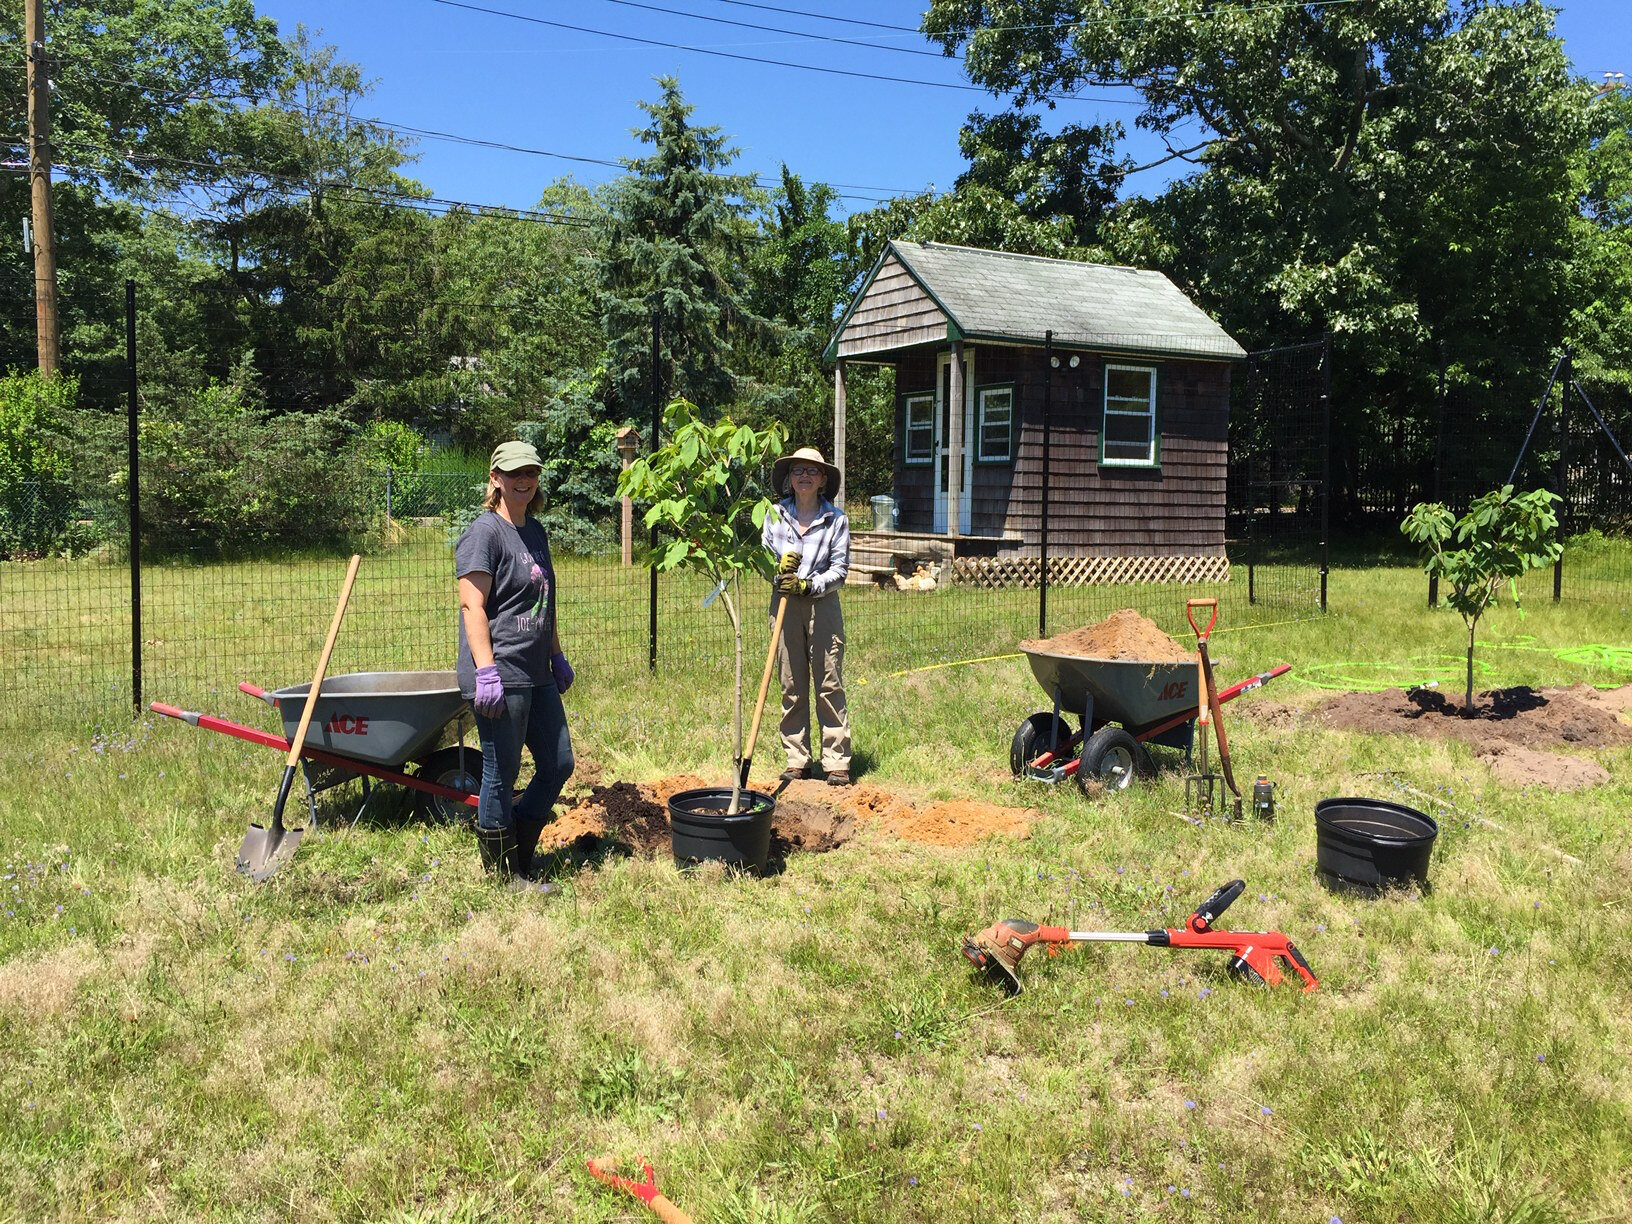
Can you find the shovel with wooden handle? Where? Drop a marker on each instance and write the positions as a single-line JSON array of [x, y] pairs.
[[1209, 694], [759, 706], [268, 847]]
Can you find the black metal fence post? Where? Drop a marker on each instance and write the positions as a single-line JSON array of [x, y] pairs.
[[133, 487], [1563, 476], [1255, 442], [1325, 465], [1048, 427], [1439, 460], [657, 425]]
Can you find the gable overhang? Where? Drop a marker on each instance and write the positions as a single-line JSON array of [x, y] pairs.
[[953, 331]]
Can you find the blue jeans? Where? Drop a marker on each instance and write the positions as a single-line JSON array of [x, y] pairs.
[[534, 717]]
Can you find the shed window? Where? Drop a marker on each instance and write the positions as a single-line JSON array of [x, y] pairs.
[[995, 428], [1128, 436], [919, 431]]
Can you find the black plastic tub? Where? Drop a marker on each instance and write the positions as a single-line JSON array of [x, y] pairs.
[[703, 833], [1366, 845]]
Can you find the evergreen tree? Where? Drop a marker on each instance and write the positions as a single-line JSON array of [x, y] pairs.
[[676, 246]]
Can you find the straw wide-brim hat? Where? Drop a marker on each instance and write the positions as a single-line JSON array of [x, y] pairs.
[[810, 455]]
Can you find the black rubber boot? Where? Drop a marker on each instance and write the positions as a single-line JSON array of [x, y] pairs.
[[527, 834], [498, 847]]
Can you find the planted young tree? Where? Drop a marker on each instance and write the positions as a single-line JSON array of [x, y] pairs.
[[1502, 536], [704, 492]]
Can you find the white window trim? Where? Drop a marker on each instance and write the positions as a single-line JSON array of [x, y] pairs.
[[1148, 414], [926, 398], [980, 424]]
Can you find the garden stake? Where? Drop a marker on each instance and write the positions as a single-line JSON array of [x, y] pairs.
[[759, 707], [266, 848], [997, 950], [646, 1191]]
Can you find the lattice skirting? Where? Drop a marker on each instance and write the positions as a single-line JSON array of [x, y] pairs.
[[1088, 571]]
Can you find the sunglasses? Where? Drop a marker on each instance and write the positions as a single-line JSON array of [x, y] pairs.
[[804, 471]]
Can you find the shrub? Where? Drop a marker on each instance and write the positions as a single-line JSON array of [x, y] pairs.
[[222, 476], [38, 503]]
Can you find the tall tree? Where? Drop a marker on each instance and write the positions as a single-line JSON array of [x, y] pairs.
[[1397, 172], [676, 246]]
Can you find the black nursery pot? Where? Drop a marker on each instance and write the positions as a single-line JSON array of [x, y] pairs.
[[1365, 845], [703, 833]]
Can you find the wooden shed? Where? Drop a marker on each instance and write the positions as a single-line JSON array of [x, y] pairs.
[[1137, 395]]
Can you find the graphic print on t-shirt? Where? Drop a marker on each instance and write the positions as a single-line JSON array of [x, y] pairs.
[[533, 619]]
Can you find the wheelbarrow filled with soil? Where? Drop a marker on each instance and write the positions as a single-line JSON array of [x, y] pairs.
[[1129, 684]]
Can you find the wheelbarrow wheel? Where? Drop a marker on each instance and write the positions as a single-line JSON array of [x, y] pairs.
[[1038, 734], [443, 767], [1112, 758]]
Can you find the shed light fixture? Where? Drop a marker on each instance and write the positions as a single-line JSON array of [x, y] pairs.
[[1074, 362]]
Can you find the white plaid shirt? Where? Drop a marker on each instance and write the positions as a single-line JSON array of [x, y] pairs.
[[824, 548]]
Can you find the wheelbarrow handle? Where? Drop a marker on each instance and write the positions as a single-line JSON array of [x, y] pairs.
[[1190, 606], [255, 690]]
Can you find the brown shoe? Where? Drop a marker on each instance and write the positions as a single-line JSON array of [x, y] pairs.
[[792, 774], [839, 777]]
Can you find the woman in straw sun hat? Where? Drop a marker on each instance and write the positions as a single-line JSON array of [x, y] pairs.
[[511, 665], [810, 537]]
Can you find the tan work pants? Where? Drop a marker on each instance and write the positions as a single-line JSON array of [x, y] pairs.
[[812, 651]]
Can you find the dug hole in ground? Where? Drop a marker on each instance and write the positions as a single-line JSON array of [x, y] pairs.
[[812, 817], [1526, 737]]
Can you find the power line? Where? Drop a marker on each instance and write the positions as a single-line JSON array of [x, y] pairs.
[[799, 34], [755, 59], [771, 8], [397, 128]]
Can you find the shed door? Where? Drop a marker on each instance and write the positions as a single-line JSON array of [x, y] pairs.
[[943, 441]]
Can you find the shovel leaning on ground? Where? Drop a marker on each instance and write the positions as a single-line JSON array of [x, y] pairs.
[[268, 847], [759, 706]]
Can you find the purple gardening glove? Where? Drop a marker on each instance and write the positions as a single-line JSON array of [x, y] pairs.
[[561, 670], [489, 691]]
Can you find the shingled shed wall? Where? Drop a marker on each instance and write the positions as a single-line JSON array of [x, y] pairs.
[[1176, 509]]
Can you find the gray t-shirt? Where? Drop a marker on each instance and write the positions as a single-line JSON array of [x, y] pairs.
[[520, 604]]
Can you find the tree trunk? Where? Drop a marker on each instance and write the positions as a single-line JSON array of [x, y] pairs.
[[1467, 701]]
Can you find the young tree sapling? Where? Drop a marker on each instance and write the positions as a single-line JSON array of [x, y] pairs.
[[1503, 535]]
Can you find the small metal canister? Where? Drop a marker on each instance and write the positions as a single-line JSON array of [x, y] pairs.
[[1263, 798]]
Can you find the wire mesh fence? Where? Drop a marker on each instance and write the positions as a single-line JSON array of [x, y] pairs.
[[1279, 476], [1568, 435], [249, 495]]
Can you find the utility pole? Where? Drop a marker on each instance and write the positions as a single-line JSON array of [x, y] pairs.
[[39, 178]]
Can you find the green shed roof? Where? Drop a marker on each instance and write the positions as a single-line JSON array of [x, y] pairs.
[[993, 295]]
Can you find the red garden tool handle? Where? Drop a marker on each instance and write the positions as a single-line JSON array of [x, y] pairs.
[[646, 1191], [1190, 606]]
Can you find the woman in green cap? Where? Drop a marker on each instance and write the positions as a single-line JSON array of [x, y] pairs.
[[511, 666]]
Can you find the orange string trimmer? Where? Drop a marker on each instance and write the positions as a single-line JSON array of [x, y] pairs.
[[646, 1191]]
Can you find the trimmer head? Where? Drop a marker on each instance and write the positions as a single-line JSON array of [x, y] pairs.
[[993, 959]]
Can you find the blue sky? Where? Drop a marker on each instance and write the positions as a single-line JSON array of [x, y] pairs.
[[446, 67]]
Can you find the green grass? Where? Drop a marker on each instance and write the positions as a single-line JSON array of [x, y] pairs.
[[378, 1033]]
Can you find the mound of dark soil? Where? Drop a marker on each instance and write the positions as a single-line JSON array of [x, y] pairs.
[[1570, 717]]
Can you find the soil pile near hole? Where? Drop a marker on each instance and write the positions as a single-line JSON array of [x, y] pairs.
[[1121, 635], [811, 818], [1518, 766], [1578, 717]]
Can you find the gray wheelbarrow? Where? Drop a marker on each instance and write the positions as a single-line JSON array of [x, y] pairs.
[[1123, 703], [371, 725]]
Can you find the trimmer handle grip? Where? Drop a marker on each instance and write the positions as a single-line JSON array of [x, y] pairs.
[[1190, 606], [1302, 966], [1209, 910]]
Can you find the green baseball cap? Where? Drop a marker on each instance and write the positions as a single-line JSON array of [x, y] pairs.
[[509, 456]]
